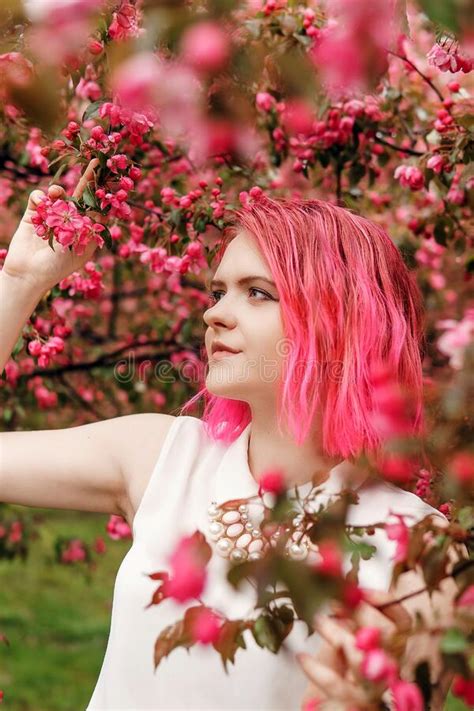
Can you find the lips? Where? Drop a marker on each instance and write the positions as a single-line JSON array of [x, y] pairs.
[[217, 355], [218, 347]]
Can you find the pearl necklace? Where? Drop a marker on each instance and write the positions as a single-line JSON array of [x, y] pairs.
[[238, 538]]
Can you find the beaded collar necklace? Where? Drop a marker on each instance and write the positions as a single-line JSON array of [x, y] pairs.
[[239, 527]]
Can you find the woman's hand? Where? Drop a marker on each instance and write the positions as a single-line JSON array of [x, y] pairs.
[[31, 259], [335, 672]]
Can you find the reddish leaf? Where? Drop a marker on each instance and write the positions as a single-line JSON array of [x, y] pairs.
[[230, 639], [171, 637]]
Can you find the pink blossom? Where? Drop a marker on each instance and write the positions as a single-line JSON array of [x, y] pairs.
[[399, 468], [91, 286], [367, 638], [118, 528], [406, 696], [63, 30], [136, 81], [410, 177], [189, 572], [34, 150], [351, 48], [436, 163], [6, 190], [464, 689], [206, 627], [265, 101], [44, 397], [449, 60], [117, 162], [400, 533], [437, 280], [74, 552], [456, 195], [62, 219], [95, 46], [297, 117], [125, 22], [205, 47], [87, 89], [456, 338], [467, 598], [391, 414], [16, 532], [330, 559], [15, 71], [462, 467], [378, 666], [272, 481], [99, 545]]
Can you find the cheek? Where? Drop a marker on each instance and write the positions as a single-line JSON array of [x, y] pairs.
[[269, 339]]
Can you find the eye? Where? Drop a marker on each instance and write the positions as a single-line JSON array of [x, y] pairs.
[[214, 295]]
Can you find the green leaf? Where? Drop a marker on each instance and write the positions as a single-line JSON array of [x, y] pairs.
[[89, 198], [324, 159], [58, 173], [466, 121], [18, 345], [453, 642], [200, 224], [466, 516], [269, 631], [356, 173], [442, 13], [92, 110], [105, 234], [361, 548], [443, 229]]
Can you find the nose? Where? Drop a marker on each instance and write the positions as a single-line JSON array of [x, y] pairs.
[[219, 315]]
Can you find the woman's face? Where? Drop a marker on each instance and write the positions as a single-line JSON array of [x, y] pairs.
[[244, 315]]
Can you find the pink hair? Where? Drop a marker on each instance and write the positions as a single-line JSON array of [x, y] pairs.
[[347, 300]]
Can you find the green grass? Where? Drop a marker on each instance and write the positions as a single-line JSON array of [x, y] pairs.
[[56, 620]]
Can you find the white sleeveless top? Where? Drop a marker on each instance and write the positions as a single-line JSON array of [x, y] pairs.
[[193, 470]]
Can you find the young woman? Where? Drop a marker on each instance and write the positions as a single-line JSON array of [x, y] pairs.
[[306, 296]]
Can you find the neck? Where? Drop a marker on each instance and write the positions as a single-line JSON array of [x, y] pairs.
[[269, 448]]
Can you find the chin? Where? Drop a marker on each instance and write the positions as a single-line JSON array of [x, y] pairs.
[[225, 382]]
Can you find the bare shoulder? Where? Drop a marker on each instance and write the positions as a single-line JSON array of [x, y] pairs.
[[140, 439]]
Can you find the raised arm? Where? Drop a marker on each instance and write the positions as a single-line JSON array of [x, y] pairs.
[[102, 466]]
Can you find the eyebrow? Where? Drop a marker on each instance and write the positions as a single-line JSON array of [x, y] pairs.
[[241, 282]]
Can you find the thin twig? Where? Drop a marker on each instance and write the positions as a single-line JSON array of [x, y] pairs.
[[409, 151], [103, 360], [423, 76]]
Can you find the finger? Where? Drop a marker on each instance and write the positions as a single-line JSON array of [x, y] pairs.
[[34, 199], [55, 192], [334, 657], [385, 605], [312, 697], [339, 637], [87, 176], [331, 683]]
